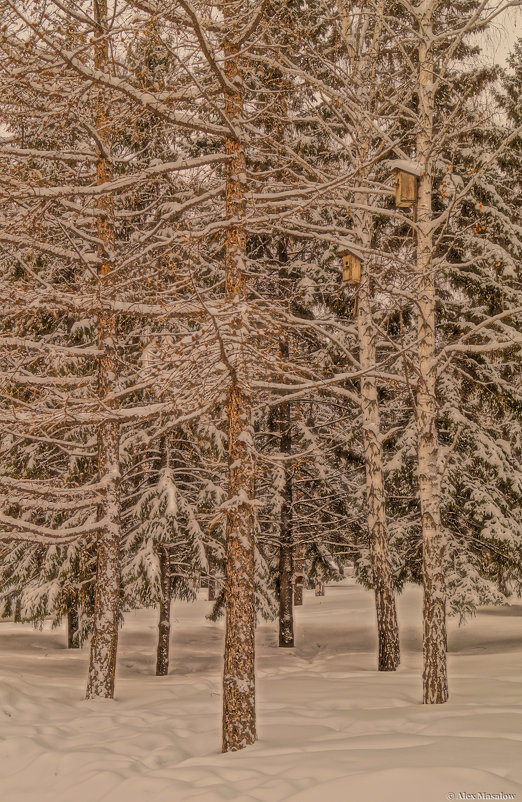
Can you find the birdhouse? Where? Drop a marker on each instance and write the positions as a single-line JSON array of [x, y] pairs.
[[407, 175], [298, 580], [405, 189], [351, 266]]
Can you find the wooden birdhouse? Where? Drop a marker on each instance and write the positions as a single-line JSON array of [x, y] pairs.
[[407, 175], [351, 266]]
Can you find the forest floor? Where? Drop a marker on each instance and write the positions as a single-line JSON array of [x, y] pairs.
[[331, 728]]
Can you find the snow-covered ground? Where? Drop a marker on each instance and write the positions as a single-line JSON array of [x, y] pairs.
[[331, 728]]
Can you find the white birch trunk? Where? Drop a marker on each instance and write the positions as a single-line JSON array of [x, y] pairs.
[[104, 640], [364, 64], [387, 626], [435, 683]]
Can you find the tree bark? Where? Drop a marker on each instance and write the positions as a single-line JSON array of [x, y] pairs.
[[239, 718], [286, 534], [73, 624], [212, 585], [104, 640], [239, 721], [298, 572], [286, 546], [387, 626], [162, 654], [319, 589], [435, 682], [364, 71]]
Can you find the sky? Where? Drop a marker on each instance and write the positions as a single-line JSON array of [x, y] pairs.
[[501, 37]]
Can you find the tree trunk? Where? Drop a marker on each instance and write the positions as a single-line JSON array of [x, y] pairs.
[[298, 574], [387, 627], [319, 589], [363, 78], [73, 624], [162, 654], [286, 535], [212, 586], [239, 719], [104, 640], [435, 682], [239, 674], [502, 584], [286, 547]]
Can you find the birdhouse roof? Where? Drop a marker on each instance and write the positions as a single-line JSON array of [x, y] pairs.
[[406, 166], [346, 249]]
